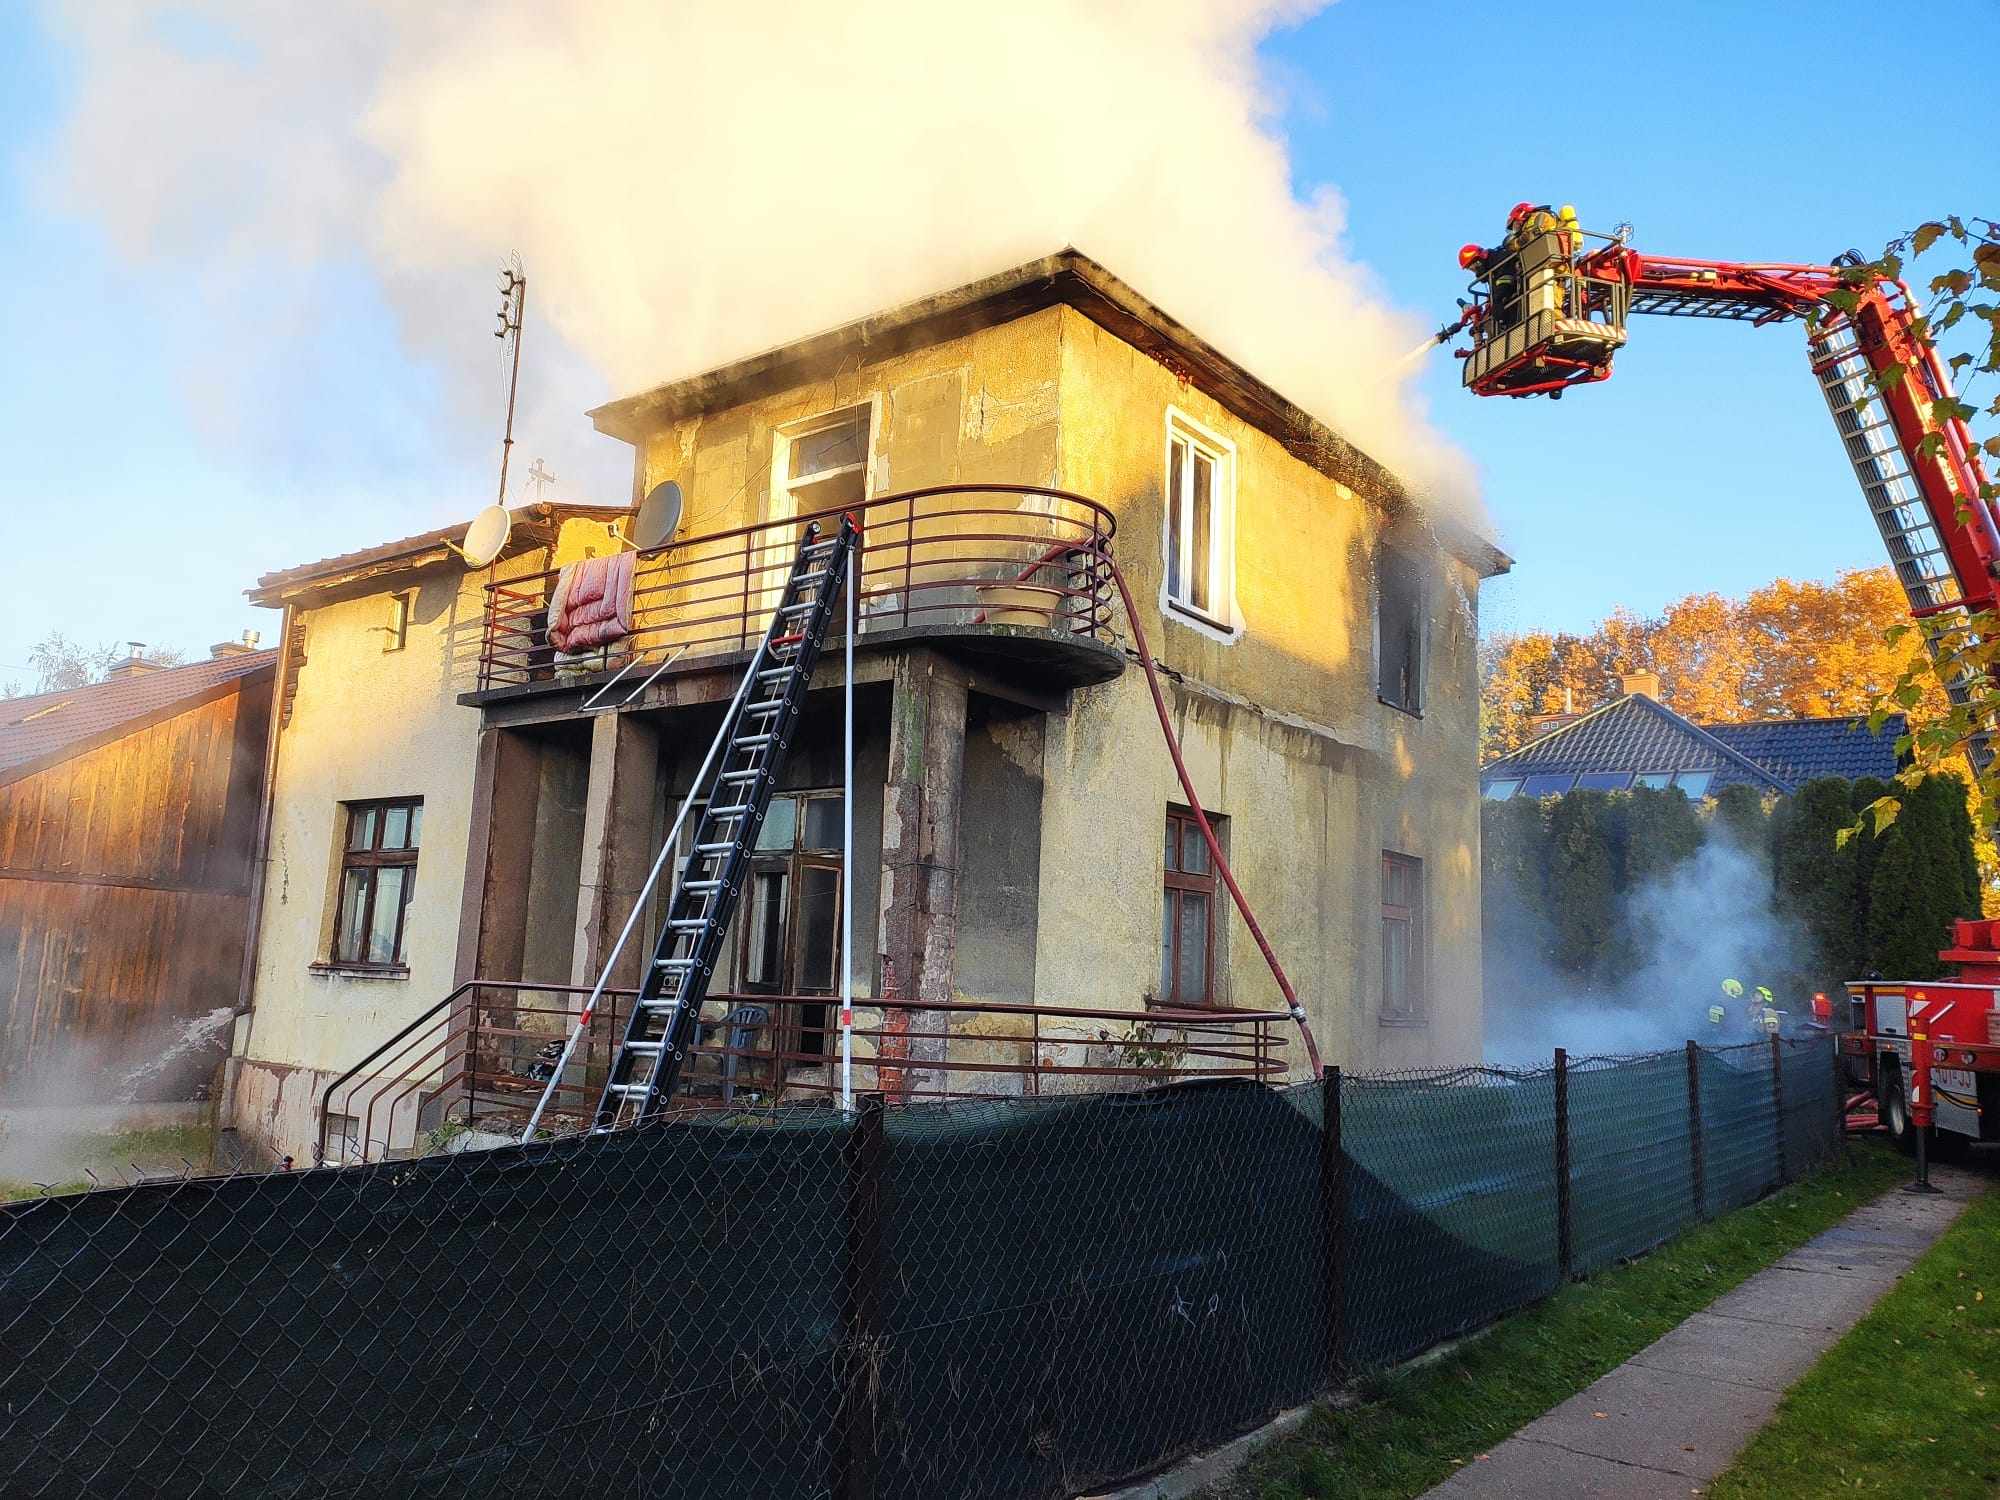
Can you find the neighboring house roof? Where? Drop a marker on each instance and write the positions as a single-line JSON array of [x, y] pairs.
[[1802, 750], [41, 726], [1636, 736], [535, 525], [1070, 278]]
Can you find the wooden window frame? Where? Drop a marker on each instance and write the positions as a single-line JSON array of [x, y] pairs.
[[1180, 822], [375, 858], [1417, 1010]]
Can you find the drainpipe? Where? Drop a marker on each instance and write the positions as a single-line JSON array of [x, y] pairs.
[[259, 867]]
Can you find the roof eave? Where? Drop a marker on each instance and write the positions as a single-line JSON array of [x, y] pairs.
[[1069, 278]]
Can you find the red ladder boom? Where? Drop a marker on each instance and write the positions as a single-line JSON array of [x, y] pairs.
[[1547, 313]]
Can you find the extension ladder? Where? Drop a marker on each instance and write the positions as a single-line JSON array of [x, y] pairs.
[[1889, 484], [754, 738]]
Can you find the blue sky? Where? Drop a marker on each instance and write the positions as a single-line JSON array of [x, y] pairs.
[[142, 504]]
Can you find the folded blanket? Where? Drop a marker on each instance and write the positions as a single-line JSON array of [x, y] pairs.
[[592, 603]]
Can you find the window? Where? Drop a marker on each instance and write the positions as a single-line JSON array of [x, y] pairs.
[[822, 463], [1654, 780], [1187, 922], [1402, 937], [396, 634], [378, 875], [1694, 783], [343, 1139], [1501, 788], [1200, 523], [1399, 629]]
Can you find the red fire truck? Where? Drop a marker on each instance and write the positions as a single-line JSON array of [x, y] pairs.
[[1930, 1051], [1548, 311]]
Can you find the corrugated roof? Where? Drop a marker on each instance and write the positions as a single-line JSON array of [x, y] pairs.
[[535, 524], [1801, 750], [44, 723], [1638, 735]]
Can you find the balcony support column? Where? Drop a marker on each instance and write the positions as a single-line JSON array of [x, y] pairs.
[[618, 849], [921, 801]]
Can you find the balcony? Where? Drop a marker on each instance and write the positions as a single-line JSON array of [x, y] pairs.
[[480, 1059], [1015, 574]]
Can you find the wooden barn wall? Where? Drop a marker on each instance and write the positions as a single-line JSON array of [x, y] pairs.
[[124, 893]]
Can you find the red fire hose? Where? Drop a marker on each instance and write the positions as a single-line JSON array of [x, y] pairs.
[[1201, 821]]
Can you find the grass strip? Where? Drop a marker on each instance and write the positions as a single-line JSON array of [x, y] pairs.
[[112, 1157], [1410, 1429], [1908, 1403]]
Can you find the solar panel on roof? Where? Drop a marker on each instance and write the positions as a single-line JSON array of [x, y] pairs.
[[1548, 785], [1603, 781]]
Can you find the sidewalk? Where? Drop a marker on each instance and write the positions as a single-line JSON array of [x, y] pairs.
[[1675, 1415]]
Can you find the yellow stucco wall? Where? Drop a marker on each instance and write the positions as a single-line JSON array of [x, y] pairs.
[[1282, 725], [1282, 730], [366, 723]]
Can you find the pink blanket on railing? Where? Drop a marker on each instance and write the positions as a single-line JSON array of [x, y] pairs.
[[592, 603]]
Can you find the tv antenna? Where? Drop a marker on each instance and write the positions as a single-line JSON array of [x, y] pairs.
[[539, 480], [513, 304]]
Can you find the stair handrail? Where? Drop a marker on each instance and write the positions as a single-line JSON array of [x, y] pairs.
[[326, 1096]]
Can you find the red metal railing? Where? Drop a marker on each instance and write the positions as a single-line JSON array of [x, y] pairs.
[[950, 557], [481, 1057]]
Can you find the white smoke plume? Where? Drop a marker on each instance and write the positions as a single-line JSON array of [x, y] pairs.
[[689, 183], [1708, 919]]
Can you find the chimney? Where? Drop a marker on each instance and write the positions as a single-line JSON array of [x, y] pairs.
[[234, 648], [137, 664], [1635, 683]]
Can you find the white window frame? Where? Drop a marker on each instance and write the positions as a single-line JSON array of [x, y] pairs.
[[784, 503], [1220, 620]]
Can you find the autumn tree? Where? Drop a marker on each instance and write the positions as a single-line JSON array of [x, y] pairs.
[[1790, 649]]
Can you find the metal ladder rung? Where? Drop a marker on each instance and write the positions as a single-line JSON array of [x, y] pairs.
[[679, 984]]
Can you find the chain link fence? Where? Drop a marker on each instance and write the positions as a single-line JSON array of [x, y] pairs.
[[1016, 1299]]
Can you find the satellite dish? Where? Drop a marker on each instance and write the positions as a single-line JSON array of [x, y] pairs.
[[659, 517], [485, 536]]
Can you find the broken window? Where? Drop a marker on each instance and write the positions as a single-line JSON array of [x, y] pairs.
[[1187, 925], [823, 462], [378, 876], [1200, 523], [1402, 937], [1400, 607]]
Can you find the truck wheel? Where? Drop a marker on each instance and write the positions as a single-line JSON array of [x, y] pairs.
[[1892, 1106]]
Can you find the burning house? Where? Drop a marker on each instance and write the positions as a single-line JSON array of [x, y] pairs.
[[469, 791]]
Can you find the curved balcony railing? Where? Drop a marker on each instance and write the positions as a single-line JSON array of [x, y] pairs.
[[996, 560]]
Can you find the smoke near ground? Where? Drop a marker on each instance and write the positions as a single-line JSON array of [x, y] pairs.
[[690, 183], [1707, 919]]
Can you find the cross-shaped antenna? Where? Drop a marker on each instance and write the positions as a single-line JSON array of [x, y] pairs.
[[539, 479]]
